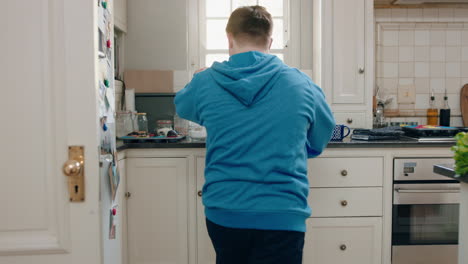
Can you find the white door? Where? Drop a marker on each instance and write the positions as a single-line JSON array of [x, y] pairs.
[[48, 102]]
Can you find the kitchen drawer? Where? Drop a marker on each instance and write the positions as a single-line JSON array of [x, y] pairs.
[[343, 240], [351, 119], [333, 202], [346, 172]]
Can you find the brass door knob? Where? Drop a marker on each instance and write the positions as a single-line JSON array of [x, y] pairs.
[[200, 193], [72, 168], [344, 173], [343, 247], [344, 203]]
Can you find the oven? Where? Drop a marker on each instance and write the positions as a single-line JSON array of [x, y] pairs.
[[425, 213]]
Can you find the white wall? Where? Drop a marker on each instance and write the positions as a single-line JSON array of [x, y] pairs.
[[425, 47], [157, 35]]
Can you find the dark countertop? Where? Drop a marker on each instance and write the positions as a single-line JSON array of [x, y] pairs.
[[448, 171], [347, 143]]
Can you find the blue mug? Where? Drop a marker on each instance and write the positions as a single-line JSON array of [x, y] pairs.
[[339, 133]]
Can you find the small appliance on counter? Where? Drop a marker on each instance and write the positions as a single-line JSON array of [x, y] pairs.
[[385, 133], [429, 133]]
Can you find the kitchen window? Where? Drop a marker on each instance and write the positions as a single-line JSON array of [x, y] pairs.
[[207, 35]]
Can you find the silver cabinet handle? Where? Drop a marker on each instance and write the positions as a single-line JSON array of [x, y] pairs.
[[344, 203], [361, 70], [343, 247], [200, 193], [451, 190], [349, 120], [344, 173]]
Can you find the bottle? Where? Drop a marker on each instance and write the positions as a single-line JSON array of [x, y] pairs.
[[444, 116], [142, 124], [432, 112]]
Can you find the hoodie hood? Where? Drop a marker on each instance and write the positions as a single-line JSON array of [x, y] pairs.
[[247, 76]]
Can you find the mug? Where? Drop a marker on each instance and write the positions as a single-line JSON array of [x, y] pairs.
[[339, 133]]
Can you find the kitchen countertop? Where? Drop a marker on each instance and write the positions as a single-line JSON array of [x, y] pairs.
[[347, 143], [448, 171]]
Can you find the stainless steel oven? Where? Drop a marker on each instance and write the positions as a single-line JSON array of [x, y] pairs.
[[425, 213]]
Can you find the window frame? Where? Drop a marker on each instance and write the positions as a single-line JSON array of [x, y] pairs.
[[197, 35]]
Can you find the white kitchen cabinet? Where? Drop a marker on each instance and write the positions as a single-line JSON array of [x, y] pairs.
[[346, 172], [205, 250], [344, 57], [122, 211], [343, 240], [120, 14], [157, 210], [341, 202]]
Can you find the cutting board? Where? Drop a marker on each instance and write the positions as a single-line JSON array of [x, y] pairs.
[[464, 104]]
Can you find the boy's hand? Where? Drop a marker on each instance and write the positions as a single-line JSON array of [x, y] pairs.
[[200, 70]]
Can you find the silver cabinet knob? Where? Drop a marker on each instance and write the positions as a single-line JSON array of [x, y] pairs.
[[344, 203], [349, 120], [361, 70], [200, 193], [343, 247], [344, 173], [128, 195]]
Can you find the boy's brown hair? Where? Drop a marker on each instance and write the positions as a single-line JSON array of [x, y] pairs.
[[252, 24]]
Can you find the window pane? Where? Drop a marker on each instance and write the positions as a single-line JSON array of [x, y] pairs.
[[220, 57], [274, 7], [239, 3], [218, 8], [279, 55], [278, 34], [216, 34]]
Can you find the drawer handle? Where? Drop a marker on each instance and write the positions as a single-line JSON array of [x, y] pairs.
[[344, 203], [361, 70], [344, 173], [349, 120], [200, 193], [343, 247]]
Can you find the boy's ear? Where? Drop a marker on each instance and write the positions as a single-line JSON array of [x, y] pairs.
[[271, 42]]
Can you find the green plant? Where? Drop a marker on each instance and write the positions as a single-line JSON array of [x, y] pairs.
[[461, 153]]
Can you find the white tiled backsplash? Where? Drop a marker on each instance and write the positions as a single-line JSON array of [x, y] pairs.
[[427, 48]]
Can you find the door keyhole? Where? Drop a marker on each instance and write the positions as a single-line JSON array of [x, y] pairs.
[[76, 188]]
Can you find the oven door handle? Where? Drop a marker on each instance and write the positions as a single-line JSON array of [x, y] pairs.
[[448, 190]]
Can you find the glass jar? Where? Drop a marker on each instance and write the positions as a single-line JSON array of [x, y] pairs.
[[142, 124], [124, 123], [181, 125], [196, 132]]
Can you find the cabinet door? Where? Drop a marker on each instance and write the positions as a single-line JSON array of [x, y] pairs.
[[343, 240], [348, 37], [157, 210], [120, 14], [205, 250]]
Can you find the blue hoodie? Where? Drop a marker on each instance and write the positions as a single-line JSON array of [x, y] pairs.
[[263, 120]]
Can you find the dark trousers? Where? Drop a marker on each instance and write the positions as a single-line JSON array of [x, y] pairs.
[[252, 246]]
